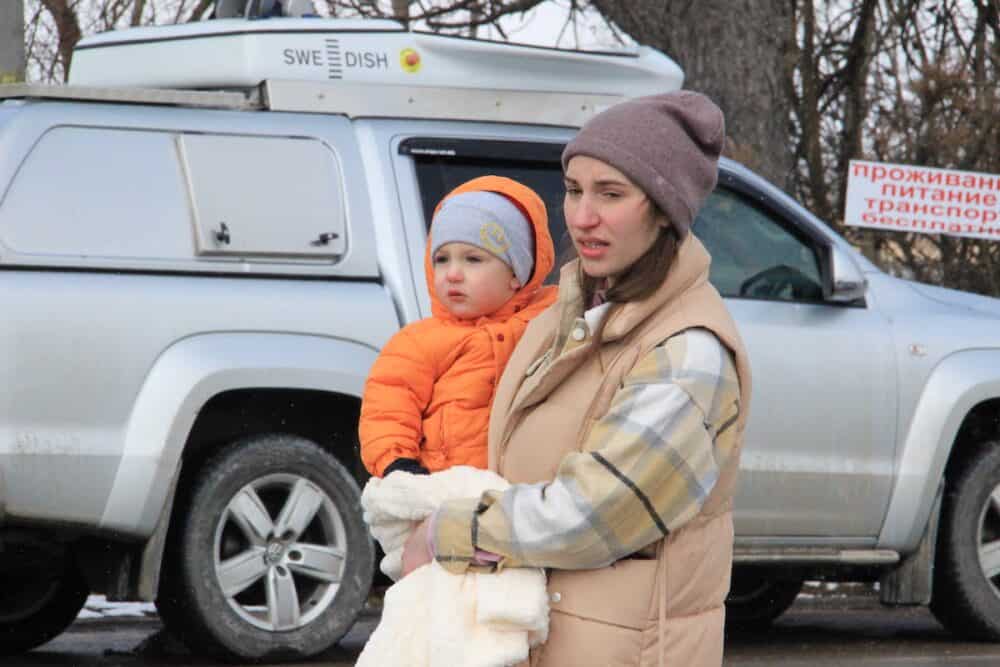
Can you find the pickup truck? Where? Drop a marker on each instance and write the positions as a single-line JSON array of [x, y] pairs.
[[207, 236]]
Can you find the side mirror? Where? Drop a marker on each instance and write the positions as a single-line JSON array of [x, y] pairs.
[[846, 281]]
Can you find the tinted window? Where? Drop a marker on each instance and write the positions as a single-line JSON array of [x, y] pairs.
[[437, 175], [753, 254]]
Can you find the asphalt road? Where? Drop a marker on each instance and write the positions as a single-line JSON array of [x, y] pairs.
[[809, 635]]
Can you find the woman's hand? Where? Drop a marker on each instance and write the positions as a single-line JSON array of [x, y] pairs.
[[417, 549]]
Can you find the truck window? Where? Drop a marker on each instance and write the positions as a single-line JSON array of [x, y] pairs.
[[439, 170], [90, 192], [753, 254], [265, 196]]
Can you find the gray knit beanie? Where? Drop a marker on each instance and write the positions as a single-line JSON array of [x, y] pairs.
[[489, 221], [668, 144]]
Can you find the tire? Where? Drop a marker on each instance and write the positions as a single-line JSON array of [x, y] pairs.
[[755, 599], [36, 606], [966, 592], [269, 559]]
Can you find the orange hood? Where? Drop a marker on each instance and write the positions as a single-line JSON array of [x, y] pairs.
[[532, 205]]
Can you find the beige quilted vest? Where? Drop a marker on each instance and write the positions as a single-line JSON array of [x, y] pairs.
[[664, 606]]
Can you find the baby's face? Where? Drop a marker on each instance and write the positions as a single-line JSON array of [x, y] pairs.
[[471, 282]]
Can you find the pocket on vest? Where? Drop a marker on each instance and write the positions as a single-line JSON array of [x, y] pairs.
[[620, 594], [580, 642]]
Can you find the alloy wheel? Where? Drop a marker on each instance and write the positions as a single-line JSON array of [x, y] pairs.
[[280, 550]]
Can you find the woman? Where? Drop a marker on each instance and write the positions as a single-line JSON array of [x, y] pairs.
[[619, 418]]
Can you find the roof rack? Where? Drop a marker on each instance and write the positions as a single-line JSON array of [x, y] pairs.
[[249, 100], [355, 100]]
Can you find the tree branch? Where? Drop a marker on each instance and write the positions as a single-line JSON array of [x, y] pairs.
[[68, 28]]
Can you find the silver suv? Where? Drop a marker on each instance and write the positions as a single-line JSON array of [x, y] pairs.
[[196, 282]]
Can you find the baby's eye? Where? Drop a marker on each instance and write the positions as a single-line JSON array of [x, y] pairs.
[[439, 259], [475, 259]]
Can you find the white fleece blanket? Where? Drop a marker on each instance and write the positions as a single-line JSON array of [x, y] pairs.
[[433, 618]]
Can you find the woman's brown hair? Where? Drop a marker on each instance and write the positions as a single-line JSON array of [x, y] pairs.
[[639, 280]]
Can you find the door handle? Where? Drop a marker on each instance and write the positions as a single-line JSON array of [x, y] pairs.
[[222, 234], [324, 238]]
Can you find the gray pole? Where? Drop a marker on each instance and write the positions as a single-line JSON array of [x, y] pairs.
[[12, 61]]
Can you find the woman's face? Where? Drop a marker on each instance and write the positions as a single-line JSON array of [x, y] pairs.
[[610, 220]]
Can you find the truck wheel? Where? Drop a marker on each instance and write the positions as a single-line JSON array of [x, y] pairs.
[[966, 593], [38, 605], [270, 557], [755, 599]]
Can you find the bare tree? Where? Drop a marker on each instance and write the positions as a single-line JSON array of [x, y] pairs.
[[53, 27], [401, 11], [899, 81], [829, 88], [450, 16], [946, 117], [67, 29]]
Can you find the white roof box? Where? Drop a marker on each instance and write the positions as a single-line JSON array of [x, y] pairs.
[[238, 53]]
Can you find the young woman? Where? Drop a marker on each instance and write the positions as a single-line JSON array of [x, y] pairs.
[[619, 418]]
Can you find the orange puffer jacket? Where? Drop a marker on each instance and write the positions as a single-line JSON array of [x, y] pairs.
[[428, 394]]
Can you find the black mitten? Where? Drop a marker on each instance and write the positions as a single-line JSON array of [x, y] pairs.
[[406, 465]]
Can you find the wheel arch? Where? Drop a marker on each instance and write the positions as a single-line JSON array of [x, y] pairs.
[[285, 411], [271, 382], [328, 418], [959, 399], [980, 424]]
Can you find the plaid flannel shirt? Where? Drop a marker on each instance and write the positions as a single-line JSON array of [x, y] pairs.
[[647, 468]]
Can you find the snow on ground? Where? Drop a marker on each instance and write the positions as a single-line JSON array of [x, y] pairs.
[[98, 607], [829, 590]]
